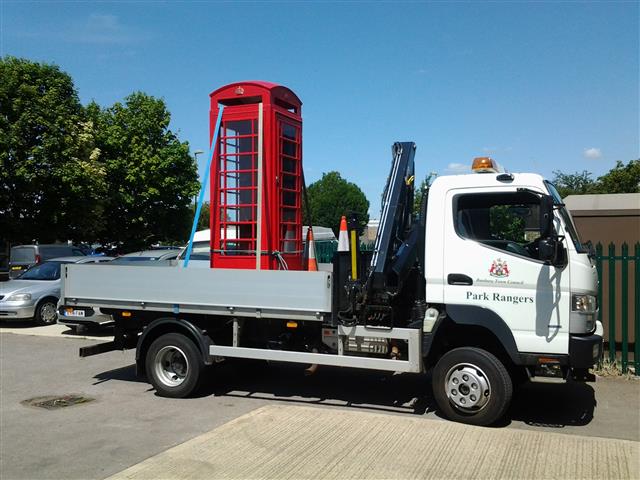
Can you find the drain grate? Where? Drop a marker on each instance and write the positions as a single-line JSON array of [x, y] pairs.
[[52, 402]]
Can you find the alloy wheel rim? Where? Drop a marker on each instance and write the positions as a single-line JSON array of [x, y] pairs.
[[48, 313]]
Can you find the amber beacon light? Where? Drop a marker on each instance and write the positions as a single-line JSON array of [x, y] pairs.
[[485, 165]]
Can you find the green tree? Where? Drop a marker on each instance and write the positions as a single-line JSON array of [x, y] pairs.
[[578, 183], [51, 180], [421, 190], [204, 220], [151, 176], [331, 197], [621, 178]]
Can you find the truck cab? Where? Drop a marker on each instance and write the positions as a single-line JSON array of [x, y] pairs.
[[487, 262]]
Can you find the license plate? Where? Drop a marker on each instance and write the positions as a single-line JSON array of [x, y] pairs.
[[16, 268], [69, 312]]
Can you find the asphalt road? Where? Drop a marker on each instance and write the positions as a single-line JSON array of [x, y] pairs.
[[127, 423]]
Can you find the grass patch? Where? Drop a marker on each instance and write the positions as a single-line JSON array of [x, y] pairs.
[[607, 368]]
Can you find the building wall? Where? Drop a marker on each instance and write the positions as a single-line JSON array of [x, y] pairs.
[[605, 227]]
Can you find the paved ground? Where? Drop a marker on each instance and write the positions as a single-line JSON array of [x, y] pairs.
[[284, 442], [127, 423], [57, 331]]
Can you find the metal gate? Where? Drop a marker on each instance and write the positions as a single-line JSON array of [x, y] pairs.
[[619, 302]]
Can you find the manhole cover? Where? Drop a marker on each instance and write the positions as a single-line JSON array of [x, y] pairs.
[[58, 401]]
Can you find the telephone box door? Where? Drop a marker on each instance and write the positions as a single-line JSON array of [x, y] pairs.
[[236, 231], [289, 151]]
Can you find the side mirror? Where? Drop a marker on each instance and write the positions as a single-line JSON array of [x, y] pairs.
[[546, 216], [552, 251]]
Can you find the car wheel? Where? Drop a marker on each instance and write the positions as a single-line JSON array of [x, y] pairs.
[[46, 312], [472, 386], [173, 365]]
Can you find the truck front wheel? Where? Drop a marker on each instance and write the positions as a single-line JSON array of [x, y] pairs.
[[471, 385], [173, 365]]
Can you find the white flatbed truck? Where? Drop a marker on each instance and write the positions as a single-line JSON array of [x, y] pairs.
[[489, 285]]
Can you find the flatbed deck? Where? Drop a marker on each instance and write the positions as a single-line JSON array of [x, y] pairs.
[[296, 295]]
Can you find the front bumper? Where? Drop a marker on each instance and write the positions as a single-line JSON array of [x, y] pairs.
[[17, 312], [584, 351], [91, 317]]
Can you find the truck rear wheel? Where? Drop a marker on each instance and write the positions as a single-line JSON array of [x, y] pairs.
[[173, 365], [471, 385]]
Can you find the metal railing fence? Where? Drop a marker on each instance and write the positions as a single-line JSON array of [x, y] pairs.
[[620, 292]]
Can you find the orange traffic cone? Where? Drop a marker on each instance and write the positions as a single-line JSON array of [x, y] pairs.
[[343, 237], [312, 265]]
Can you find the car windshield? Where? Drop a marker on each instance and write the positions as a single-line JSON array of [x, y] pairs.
[[199, 251], [44, 271]]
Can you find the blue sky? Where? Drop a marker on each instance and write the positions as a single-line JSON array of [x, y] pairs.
[[538, 86]]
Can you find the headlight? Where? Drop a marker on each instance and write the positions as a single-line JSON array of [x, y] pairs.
[[19, 297], [583, 303]]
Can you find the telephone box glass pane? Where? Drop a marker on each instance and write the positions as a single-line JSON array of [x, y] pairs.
[[289, 149], [289, 131], [290, 184]]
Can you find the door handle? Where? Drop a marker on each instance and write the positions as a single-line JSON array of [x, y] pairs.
[[459, 279]]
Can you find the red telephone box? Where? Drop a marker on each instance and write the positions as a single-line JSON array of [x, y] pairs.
[[256, 187]]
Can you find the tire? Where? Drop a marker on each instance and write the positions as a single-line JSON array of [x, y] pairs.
[[46, 312], [462, 372], [174, 365]]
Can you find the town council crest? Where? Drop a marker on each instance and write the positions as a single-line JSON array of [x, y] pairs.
[[499, 268]]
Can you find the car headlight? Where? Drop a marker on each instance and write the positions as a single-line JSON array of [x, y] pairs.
[[19, 297], [583, 303]]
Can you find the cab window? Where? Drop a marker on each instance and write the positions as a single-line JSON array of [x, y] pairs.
[[504, 221]]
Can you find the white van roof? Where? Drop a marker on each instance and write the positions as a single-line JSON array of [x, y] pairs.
[[319, 234], [202, 236]]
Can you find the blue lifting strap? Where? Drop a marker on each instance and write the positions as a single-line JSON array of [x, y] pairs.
[[212, 151]]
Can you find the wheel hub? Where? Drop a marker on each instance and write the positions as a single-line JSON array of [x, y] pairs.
[[467, 387], [171, 366]]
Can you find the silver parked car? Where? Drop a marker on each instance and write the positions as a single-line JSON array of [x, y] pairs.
[[34, 294], [81, 319], [153, 258]]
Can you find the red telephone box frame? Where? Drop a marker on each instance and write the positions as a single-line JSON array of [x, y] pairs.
[[236, 207]]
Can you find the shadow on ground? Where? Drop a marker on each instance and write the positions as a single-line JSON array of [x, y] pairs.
[[536, 404], [126, 374], [92, 331], [549, 405], [18, 324], [89, 330]]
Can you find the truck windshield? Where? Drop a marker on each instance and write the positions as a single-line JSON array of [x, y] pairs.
[[566, 218]]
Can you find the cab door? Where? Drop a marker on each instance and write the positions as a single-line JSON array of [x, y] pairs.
[[492, 268]]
